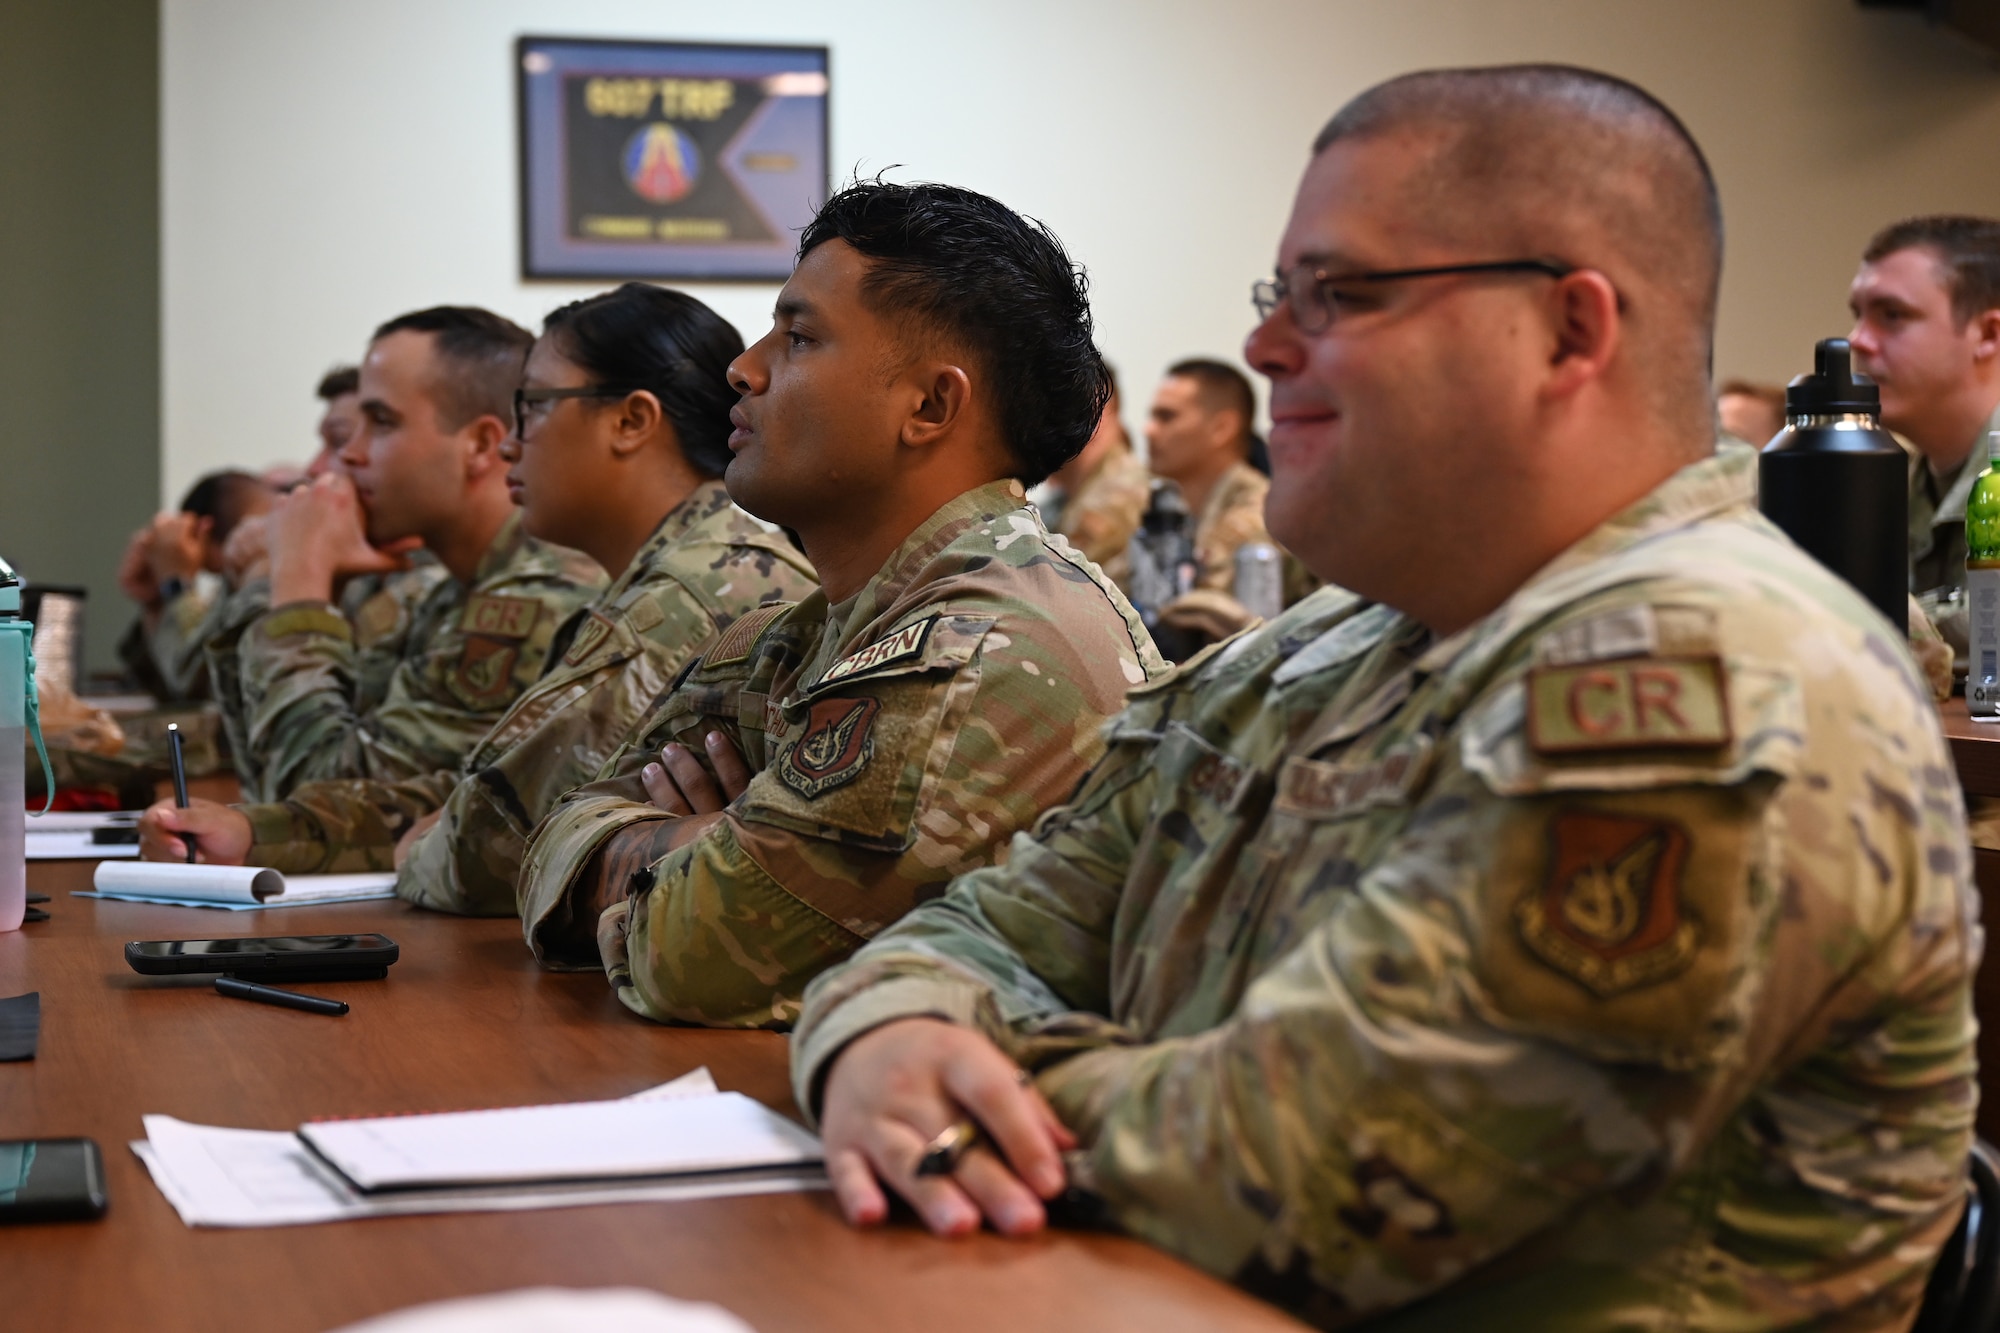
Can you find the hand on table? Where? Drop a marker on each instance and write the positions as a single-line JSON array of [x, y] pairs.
[[891, 1091], [679, 784], [221, 833], [415, 831], [317, 535]]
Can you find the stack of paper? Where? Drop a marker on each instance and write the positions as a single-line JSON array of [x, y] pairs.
[[70, 836], [682, 1140], [232, 888]]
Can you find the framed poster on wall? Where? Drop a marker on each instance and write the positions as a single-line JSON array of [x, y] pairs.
[[668, 160]]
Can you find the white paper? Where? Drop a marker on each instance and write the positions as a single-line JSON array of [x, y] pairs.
[[219, 1177], [572, 1141], [557, 1310], [81, 821], [61, 846], [237, 888]]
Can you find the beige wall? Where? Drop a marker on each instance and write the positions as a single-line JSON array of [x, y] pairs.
[[326, 166]]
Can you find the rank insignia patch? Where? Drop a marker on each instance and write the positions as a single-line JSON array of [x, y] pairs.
[[1608, 913], [485, 671], [838, 742], [589, 637]]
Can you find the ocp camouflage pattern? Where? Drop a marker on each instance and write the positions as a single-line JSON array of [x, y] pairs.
[[467, 655], [896, 739], [705, 565], [1604, 965]]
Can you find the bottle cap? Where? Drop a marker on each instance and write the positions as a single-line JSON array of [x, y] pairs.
[[1833, 389], [1993, 445]]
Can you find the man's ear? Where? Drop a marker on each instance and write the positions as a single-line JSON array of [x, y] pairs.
[[946, 398], [1587, 330], [1985, 334], [1225, 426], [482, 446]]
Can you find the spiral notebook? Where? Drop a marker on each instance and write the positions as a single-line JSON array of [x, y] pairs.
[[231, 888]]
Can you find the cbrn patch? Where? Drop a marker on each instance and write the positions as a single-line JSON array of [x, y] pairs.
[[899, 647], [1608, 912], [839, 741]]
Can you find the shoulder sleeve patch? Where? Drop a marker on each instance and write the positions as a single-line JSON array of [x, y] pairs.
[[837, 744], [500, 617], [904, 645], [377, 618], [484, 676], [733, 645], [1608, 913], [1639, 704]]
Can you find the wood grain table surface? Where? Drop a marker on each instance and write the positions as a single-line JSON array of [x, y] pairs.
[[465, 1019]]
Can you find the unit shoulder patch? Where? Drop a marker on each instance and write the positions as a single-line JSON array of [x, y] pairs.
[[485, 671], [902, 646], [500, 617], [838, 742], [377, 618], [1608, 913], [1636, 704]]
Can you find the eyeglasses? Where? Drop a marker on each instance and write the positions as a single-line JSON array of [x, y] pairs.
[[537, 401], [1315, 299]]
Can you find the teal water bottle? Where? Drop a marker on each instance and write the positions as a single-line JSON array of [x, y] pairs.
[[17, 723]]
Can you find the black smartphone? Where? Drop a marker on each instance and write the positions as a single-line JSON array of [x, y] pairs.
[[50, 1180], [269, 957]]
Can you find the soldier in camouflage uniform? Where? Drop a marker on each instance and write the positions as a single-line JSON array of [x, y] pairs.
[[1098, 497], [1586, 947], [866, 744], [597, 474], [1926, 304]]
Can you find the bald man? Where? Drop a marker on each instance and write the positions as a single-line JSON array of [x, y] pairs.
[[1569, 928]]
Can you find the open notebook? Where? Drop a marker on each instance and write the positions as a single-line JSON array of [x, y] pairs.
[[574, 1141], [233, 888]]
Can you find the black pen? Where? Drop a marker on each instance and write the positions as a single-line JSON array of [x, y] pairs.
[[943, 1153], [239, 989], [180, 779]]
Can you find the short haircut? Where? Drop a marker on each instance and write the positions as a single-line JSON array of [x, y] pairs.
[[1221, 387], [478, 360], [666, 342], [1968, 249], [1560, 163], [338, 383], [224, 498], [1771, 395], [954, 265]]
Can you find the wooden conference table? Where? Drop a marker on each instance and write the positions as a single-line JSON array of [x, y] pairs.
[[1975, 752], [465, 1019]]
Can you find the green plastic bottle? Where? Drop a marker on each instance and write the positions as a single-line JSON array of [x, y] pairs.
[[1982, 586]]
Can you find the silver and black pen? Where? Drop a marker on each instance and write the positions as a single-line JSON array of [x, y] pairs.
[[180, 779]]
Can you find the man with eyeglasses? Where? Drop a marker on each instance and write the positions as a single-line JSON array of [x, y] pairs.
[[1571, 926], [424, 470]]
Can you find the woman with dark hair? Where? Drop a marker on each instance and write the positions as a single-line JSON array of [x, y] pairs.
[[621, 429]]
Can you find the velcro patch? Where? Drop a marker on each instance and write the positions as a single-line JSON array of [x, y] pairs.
[[485, 671], [308, 619], [590, 635], [1642, 704], [905, 644], [500, 617], [1608, 912], [1316, 789], [1629, 631], [733, 645], [839, 741], [377, 618]]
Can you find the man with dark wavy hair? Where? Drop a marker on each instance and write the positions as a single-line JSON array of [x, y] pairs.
[[827, 765]]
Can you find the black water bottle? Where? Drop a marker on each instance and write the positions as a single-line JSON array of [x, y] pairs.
[[1838, 484]]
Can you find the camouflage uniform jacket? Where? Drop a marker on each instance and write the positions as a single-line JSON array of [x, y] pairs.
[[168, 657], [1604, 965], [1937, 539], [468, 654], [380, 607], [896, 739], [706, 564], [1103, 513]]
